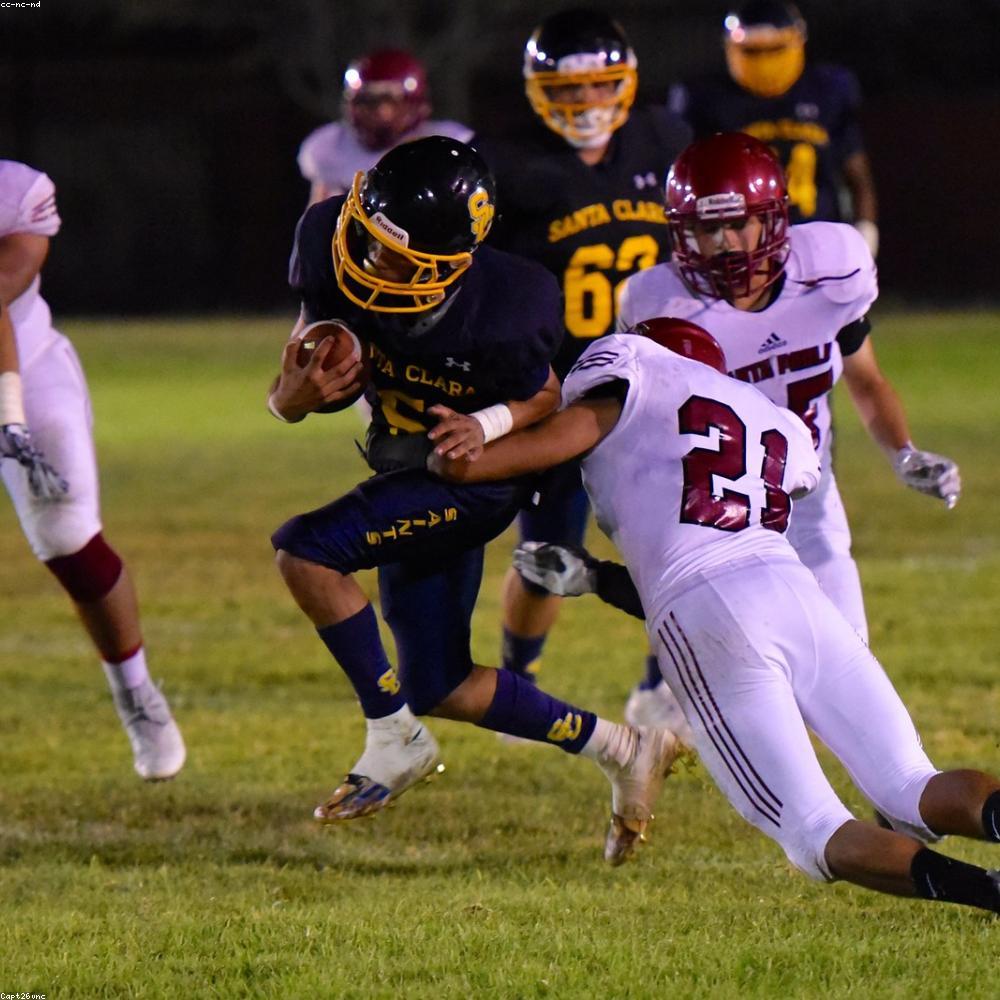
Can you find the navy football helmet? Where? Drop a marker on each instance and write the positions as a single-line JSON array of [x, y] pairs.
[[409, 226], [567, 56], [765, 43]]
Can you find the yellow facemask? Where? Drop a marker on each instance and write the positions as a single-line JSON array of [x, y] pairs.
[[770, 66], [360, 282]]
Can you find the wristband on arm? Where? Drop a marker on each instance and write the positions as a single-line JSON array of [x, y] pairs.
[[495, 421]]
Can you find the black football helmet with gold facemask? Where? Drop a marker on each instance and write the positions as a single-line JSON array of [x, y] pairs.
[[409, 226], [765, 43], [580, 76]]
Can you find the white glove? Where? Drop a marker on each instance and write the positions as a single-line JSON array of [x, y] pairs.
[[43, 481], [869, 233], [563, 570], [928, 473]]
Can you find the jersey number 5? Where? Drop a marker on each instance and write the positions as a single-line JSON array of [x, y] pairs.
[[729, 511]]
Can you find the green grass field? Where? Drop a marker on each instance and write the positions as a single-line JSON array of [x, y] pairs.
[[488, 882]]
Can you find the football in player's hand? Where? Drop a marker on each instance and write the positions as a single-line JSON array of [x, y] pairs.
[[345, 344]]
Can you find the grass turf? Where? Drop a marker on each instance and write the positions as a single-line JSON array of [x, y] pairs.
[[489, 881]]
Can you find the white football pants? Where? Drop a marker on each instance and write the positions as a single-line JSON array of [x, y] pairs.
[[756, 653]]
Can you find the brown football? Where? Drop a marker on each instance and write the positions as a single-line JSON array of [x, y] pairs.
[[345, 344]]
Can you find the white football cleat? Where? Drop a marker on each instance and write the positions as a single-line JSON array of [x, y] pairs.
[[657, 708], [396, 757], [157, 744], [635, 788]]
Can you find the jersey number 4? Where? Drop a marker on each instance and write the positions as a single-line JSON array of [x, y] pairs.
[[731, 510]]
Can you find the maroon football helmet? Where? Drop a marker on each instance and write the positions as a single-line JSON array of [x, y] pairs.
[[385, 96], [721, 180], [684, 338]]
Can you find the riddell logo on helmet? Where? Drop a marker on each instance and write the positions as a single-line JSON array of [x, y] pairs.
[[394, 232], [721, 206]]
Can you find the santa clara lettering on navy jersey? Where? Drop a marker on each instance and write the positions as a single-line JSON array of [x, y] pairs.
[[813, 128], [590, 226], [494, 343]]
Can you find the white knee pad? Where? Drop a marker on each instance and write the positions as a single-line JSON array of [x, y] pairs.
[[59, 528]]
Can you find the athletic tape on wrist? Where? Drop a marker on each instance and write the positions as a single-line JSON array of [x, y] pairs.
[[11, 400], [495, 421]]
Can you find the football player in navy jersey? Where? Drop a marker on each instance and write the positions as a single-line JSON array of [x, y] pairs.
[[460, 337], [806, 112], [582, 194]]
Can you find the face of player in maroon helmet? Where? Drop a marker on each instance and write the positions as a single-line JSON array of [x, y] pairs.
[[727, 208], [385, 96]]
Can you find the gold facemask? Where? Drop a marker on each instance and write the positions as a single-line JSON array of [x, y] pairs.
[[771, 64], [580, 123], [360, 281]]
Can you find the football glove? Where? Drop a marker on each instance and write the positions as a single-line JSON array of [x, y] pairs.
[[43, 481], [563, 570], [928, 473]]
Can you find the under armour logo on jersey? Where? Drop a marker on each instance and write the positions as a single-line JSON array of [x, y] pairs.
[[772, 343], [596, 359], [646, 180], [450, 362]]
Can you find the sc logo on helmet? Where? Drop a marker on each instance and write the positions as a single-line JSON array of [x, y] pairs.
[[481, 211]]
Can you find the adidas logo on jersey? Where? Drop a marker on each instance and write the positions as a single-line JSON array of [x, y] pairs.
[[772, 343]]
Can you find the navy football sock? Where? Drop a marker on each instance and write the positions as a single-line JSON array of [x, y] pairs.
[[950, 881], [653, 675], [521, 653], [991, 818], [519, 708], [357, 647]]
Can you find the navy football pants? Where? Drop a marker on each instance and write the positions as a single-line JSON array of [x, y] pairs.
[[426, 537]]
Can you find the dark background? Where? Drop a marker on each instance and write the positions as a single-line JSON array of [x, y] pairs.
[[170, 128]]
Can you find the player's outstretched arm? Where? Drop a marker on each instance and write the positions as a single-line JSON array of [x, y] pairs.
[[554, 440], [464, 435], [882, 413]]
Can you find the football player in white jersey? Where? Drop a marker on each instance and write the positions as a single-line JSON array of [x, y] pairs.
[[692, 475], [789, 306], [386, 102], [45, 417]]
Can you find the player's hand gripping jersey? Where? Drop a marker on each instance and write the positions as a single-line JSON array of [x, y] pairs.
[[685, 482], [793, 350]]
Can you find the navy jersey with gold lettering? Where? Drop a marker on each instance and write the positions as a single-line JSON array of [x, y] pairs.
[[493, 343], [813, 127], [591, 226]]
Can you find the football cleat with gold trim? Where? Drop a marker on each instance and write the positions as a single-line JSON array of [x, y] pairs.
[[635, 789]]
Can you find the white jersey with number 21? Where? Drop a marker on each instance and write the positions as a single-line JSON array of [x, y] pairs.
[[698, 470]]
